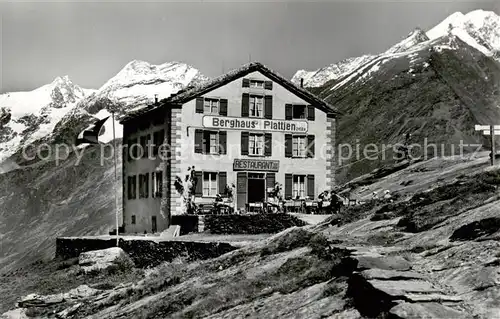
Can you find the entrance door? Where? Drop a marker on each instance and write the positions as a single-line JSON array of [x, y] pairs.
[[153, 224], [256, 188]]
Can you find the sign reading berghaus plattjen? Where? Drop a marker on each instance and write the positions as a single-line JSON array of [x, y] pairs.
[[255, 124]]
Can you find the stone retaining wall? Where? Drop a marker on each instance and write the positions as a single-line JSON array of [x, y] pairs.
[[250, 224], [144, 253]]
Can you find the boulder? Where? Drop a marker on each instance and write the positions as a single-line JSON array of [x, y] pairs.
[[424, 310], [382, 262], [98, 260], [391, 274], [36, 300], [18, 313]]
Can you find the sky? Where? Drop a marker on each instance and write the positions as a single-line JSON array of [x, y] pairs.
[[92, 41]]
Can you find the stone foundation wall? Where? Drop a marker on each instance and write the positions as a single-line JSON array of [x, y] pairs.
[[144, 253], [250, 224]]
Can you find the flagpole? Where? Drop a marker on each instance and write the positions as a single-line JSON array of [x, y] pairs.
[[116, 179]]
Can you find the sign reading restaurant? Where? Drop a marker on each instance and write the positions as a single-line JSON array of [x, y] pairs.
[[255, 124], [256, 165]]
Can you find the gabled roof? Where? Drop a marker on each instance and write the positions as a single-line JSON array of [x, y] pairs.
[[184, 96]]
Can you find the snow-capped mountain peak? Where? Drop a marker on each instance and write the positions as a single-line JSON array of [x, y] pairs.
[[31, 115], [332, 72], [137, 83], [415, 37], [48, 111], [480, 29]]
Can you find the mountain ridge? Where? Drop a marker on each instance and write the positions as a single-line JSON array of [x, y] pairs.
[[43, 114], [478, 28]]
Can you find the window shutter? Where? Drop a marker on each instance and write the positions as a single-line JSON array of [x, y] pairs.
[[146, 185], [198, 141], [310, 146], [199, 105], [268, 85], [244, 143], [222, 182], [222, 142], [288, 145], [153, 185], [223, 107], [270, 180], [246, 83], [310, 186], [311, 113], [245, 107], [198, 190], [288, 111], [129, 187], [288, 186], [268, 107], [141, 187], [268, 144], [241, 189], [159, 180]]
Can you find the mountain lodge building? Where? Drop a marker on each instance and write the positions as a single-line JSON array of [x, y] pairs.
[[249, 128]]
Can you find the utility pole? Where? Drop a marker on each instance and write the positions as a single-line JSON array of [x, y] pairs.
[[115, 182], [492, 135], [490, 130]]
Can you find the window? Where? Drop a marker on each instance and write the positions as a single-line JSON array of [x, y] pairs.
[[256, 144], [144, 146], [130, 142], [133, 219], [209, 184], [132, 185], [158, 138], [256, 106], [144, 185], [256, 84], [299, 186], [133, 149], [157, 184], [299, 111], [211, 141], [211, 106], [299, 146]]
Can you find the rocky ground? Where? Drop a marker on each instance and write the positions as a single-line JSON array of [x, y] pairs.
[[432, 251]]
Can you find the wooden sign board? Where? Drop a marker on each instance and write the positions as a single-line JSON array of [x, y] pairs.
[[256, 165], [486, 127]]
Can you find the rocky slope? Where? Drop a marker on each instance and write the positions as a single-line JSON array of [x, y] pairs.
[[384, 259], [46, 200]]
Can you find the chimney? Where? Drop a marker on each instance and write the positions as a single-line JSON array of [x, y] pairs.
[[301, 82], [156, 98]]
